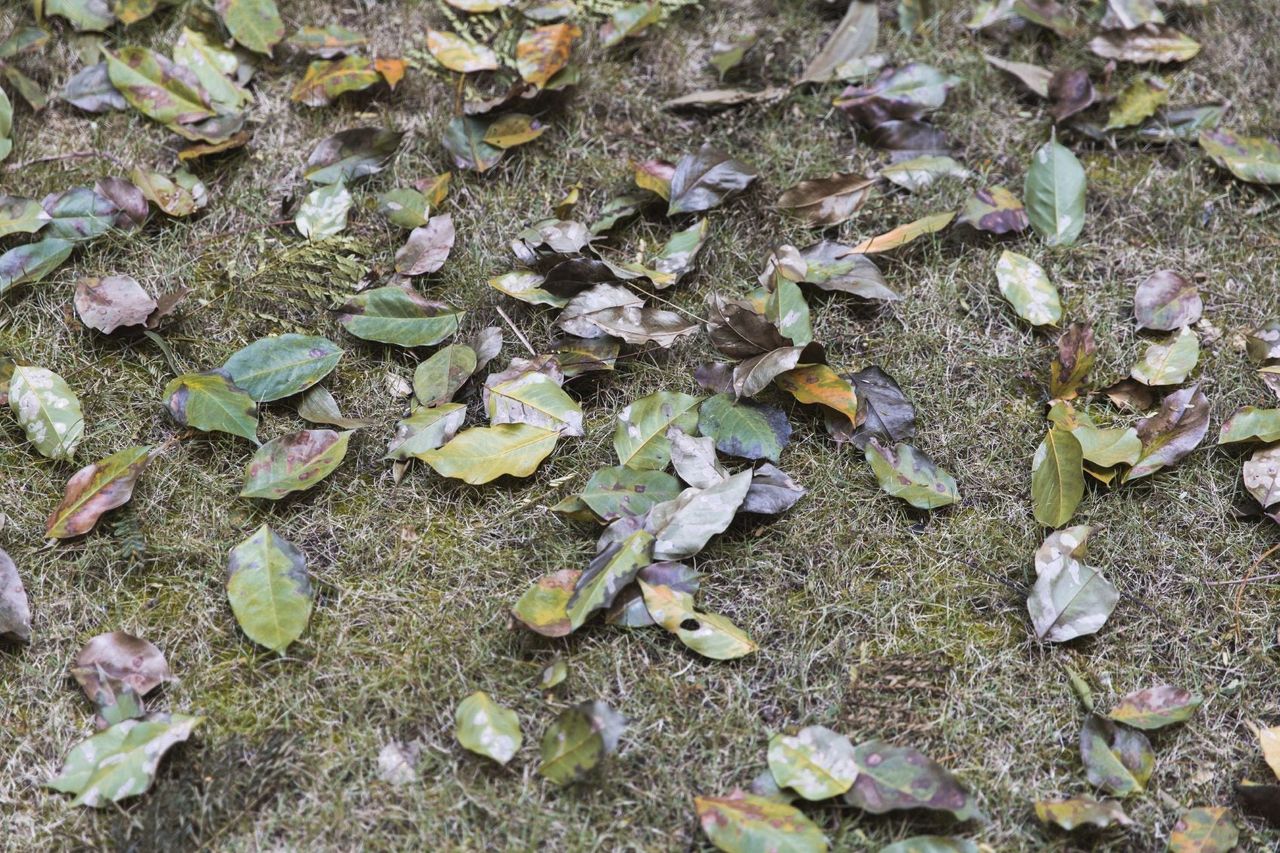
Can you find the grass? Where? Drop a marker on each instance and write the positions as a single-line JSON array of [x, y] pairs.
[[872, 619]]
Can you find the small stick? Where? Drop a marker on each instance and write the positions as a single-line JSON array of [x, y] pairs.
[[519, 334], [1244, 582]]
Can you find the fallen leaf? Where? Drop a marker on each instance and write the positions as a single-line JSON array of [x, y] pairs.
[[706, 180], [820, 385], [1057, 478], [318, 406], [1254, 159], [113, 301], [96, 489], [543, 51], [327, 41], [618, 491], [1156, 707], [1148, 43], [398, 315], [111, 663], [884, 413], [78, 214], [909, 92], [717, 99], [1054, 193], [1138, 102], [1172, 433], [816, 762], [629, 21], [1070, 92], [427, 248], [578, 741], [121, 762], [281, 366], [482, 454], [426, 428], [695, 460], [683, 526], [1204, 830], [21, 215], [458, 54], [543, 607], [486, 728], [324, 212], [640, 439], [605, 576], [211, 402], [1068, 599], [1168, 363], [1023, 282], [853, 37], [1116, 759], [294, 463], [327, 79], [833, 267], [1166, 301], [47, 410], [904, 234], [918, 173], [899, 777], [772, 491], [1076, 354], [741, 822], [1262, 476], [349, 155], [1082, 811], [15, 612], [255, 24], [180, 195], [31, 262], [269, 589], [824, 202], [1034, 77], [744, 428], [157, 87], [709, 634], [1249, 423], [907, 473]]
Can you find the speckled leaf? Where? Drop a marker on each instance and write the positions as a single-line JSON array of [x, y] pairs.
[[121, 762], [349, 155], [458, 54], [486, 728], [95, 489], [533, 398], [745, 428], [1250, 423], [1168, 363], [816, 762], [426, 428], [578, 741], [327, 41], [15, 612], [111, 664], [1204, 830], [640, 439], [1054, 193], [1082, 811], [1117, 759], [21, 215], [684, 526], [543, 607], [618, 491], [324, 212], [746, 823], [32, 261], [482, 454], [108, 303], [1057, 478], [255, 24], [1156, 707], [1172, 432], [326, 79], [1023, 282], [904, 234], [705, 180], [211, 402], [294, 463], [1166, 301], [47, 410], [181, 194], [709, 634], [995, 210], [214, 66], [1151, 43], [907, 473], [1262, 476], [398, 315], [899, 777], [1254, 159], [275, 367], [1068, 599], [543, 51], [157, 87], [427, 247], [269, 589], [824, 202]]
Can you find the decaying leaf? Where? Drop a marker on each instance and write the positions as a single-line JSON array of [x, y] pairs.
[[579, 740], [318, 406], [1168, 363], [852, 38], [294, 463], [884, 412], [1082, 811], [15, 612], [255, 24], [1034, 77], [95, 489], [710, 635], [1148, 43], [1208, 829], [1076, 354], [772, 491], [1069, 599], [543, 51], [618, 491], [605, 577], [640, 439], [629, 21], [906, 93], [1262, 476], [909, 474], [1071, 92], [833, 267], [1166, 301], [1172, 433], [824, 202], [458, 54], [1249, 423], [269, 589], [742, 822], [1156, 707], [904, 234], [1054, 194], [31, 262], [744, 428], [899, 777], [1024, 283], [113, 301], [323, 212], [816, 762], [1138, 102], [349, 155], [1254, 159], [482, 454], [281, 366], [326, 79], [398, 315], [918, 173], [47, 410], [486, 728], [704, 180], [211, 402], [121, 762], [820, 385], [1117, 759], [683, 526], [544, 606], [110, 664]]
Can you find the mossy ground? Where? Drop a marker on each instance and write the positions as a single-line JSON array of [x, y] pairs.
[[870, 618]]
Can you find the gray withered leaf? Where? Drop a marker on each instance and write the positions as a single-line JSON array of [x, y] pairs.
[[1171, 433], [1166, 301], [706, 179], [885, 412]]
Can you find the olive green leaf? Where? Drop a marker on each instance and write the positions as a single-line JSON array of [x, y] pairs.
[[553, 674], [677, 255], [294, 463], [121, 762], [606, 575], [269, 589], [405, 207], [899, 777], [543, 608], [1023, 282], [1069, 599], [1082, 811], [1171, 433], [705, 180], [1249, 423], [629, 608], [526, 286], [21, 215], [1208, 829], [578, 741], [1116, 758], [398, 315], [78, 214], [350, 155], [746, 823], [1166, 301], [1054, 193], [317, 405], [326, 79], [486, 728], [618, 491], [15, 611], [907, 473], [255, 24], [1107, 448], [283, 365], [31, 262], [786, 308], [931, 844], [629, 21], [1262, 476], [47, 410], [1057, 477], [157, 87], [744, 428], [531, 397], [995, 210], [918, 173], [95, 489], [1138, 102], [640, 439], [1168, 363], [458, 54], [438, 378], [1254, 159], [816, 762], [709, 634], [426, 428], [180, 195], [482, 454], [211, 402], [328, 41], [84, 15], [324, 212], [214, 66], [1156, 707], [684, 526]]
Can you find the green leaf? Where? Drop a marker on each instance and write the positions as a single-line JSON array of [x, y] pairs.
[[349, 155], [744, 428], [405, 207], [272, 368], [294, 462], [327, 41], [532, 397], [1107, 448], [677, 255], [95, 489], [1023, 282], [21, 215], [578, 741], [1254, 159], [1168, 363], [629, 21], [899, 777], [255, 24], [1250, 423], [1057, 478], [211, 402], [1081, 811], [709, 634], [438, 378], [1116, 758], [318, 406], [746, 823], [269, 589], [214, 66], [78, 214], [326, 79], [464, 138], [621, 491], [1204, 830], [31, 262], [180, 195], [543, 608], [1069, 599], [482, 454], [121, 762], [705, 180], [398, 315], [931, 844], [909, 474], [787, 309], [84, 15], [47, 410], [1156, 707], [816, 762], [426, 428], [640, 439], [486, 728], [606, 575], [324, 212], [157, 87], [1054, 194]]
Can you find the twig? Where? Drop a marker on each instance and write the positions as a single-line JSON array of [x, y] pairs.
[[74, 155], [519, 334], [1244, 582]]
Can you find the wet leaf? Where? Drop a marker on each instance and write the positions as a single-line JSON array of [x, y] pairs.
[[255, 24], [211, 402], [1168, 363], [1054, 193], [398, 315], [78, 214], [1156, 707], [543, 51], [294, 463], [1249, 423], [269, 589], [1204, 830], [904, 234], [327, 42], [705, 180], [324, 212], [683, 526], [47, 410], [853, 37], [816, 762], [121, 762], [744, 428], [327, 79], [21, 215], [1138, 102], [157, 87], [619, 491], [907, 473], [1166, 301], [746, 823], [909, 92], [95, 489], [486, 728], [1171, 433], [31, 262], [1023, 282], [1262, 476], [464, 138], [1068, 599], [318, 406], [1149, 43], [899, 777], [918, 173], [1254, 159], [427, 248], [1076, 354], [349, 155], [1117, 759], [578, 741], [108, 303], [1034, 77], [482, 454], [995, 210], [281, 366], [1082, 811], [640, 439], [884, 411], [709, 634], [543, 607], [824, 202], [15, 613]]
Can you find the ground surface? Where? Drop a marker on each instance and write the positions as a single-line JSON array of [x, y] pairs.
[[871, 619]]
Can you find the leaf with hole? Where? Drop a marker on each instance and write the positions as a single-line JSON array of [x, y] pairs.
[[709, 634]]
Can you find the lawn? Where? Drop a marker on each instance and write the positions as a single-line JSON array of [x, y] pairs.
[[874, 619]]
